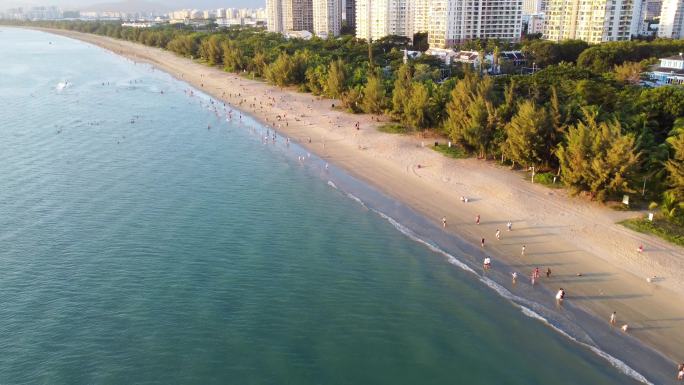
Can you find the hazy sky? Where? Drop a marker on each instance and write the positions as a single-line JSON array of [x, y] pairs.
[[199, 4]]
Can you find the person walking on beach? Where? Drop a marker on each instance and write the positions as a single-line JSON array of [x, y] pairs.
[[514, 276], [482, 242], [509, 225], [613, 319], [444, 222], [680, 375], [548, 272], [477, 219], [498, 234], [522, 251]]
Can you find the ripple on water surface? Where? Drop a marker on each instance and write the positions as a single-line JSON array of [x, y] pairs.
[[139, 247]]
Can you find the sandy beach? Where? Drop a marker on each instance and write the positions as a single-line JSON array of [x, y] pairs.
[[568, 234]]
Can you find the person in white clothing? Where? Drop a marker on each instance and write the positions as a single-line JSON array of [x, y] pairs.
[[560, 295]]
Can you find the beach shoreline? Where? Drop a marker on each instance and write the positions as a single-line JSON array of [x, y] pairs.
[[567, 234]]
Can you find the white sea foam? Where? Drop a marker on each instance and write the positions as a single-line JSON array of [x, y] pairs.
[[355, 198], [615, 362], [517, 301], [619, 365], [331, 184], [406, 231], [534, 315]]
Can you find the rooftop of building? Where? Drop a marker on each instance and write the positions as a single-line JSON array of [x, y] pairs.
[[667, 70], [675, 57]]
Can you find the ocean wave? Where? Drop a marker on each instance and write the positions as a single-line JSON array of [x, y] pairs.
[[518, 301], [618, 364], [332, 184], [615, 362], [413, 236], [355, 198]]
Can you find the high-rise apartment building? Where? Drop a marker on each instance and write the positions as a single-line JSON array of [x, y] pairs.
[[593, 21], [350, 13], [672, 19], [531, 7], [298, 15], [327, 17], [289, 15], [420, 17], [379, 18], [651, 9], [455, 21], [650, 12], [274, 15]]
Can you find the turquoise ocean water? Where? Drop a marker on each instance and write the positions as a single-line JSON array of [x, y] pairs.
[[139, 247]]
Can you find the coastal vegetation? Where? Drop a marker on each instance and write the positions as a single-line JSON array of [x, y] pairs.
[[581, 118], [660, 227]]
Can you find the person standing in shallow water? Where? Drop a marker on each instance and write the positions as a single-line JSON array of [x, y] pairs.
[[613, 319], [560, 295]]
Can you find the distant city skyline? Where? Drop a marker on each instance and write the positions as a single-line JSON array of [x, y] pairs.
[[166, 4]]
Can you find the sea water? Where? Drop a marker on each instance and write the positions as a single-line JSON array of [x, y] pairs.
[[145, 238]]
